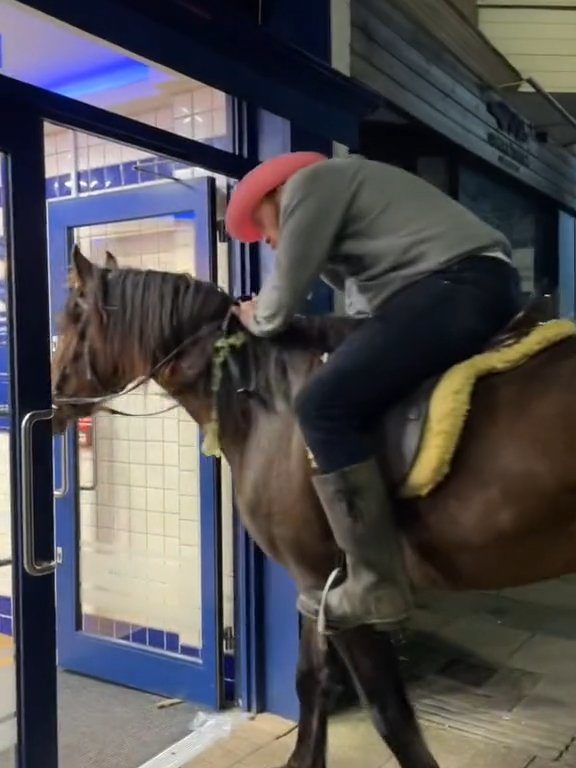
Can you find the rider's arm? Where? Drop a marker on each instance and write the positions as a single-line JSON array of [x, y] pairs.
[[313, 208]]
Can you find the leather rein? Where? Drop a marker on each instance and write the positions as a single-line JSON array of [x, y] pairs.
[[101, 400]]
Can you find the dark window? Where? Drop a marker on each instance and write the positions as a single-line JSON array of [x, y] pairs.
[[528, 222]]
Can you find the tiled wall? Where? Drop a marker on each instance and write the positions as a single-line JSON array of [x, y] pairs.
[[139, 553], [77, 163], [140, 527]]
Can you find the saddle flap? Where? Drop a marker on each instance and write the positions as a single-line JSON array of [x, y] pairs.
[[402, 431]]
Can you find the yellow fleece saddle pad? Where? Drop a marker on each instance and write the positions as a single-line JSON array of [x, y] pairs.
[[421, 434]]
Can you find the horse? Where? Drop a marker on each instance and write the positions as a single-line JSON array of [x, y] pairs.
[[504, 516]]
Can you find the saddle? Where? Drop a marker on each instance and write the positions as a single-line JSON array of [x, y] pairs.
[[421, 433]]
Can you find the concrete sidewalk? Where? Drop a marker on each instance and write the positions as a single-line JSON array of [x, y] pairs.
[[493, 678]]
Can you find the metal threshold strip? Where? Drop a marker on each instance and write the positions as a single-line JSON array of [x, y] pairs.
[[208, 729]]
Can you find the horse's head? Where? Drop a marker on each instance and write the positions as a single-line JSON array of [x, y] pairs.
[[82, 367], [122, 324]]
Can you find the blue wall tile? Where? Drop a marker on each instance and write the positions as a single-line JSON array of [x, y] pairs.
[[156, 638], [139, 636], [189, 650], [172, 642], [5, 606]]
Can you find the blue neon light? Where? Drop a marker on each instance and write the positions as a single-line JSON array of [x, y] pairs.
[[124, 72]]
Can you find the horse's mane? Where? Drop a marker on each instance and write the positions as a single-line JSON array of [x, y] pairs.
[[155, 312]]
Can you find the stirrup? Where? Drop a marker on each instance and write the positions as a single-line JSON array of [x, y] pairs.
[[322, 624]]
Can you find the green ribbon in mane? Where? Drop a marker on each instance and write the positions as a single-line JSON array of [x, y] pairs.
[[222, 348]]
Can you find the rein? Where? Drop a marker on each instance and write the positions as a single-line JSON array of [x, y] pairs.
[[132, 387], [220, 349]]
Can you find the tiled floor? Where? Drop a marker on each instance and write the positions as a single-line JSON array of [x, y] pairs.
[[493, 678]]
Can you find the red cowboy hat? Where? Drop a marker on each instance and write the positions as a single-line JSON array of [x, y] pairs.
[[263, 179]]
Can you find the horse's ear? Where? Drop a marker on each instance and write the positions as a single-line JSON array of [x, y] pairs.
[[111, 261], [82, 269]]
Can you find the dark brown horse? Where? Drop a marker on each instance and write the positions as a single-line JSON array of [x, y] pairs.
[[505, 516]]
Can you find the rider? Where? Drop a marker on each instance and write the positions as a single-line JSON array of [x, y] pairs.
[[435, 284]]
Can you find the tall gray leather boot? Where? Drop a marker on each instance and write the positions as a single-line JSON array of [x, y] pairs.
[[374, 588]]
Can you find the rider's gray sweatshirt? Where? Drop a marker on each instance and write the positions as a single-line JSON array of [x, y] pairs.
[[367, 229]]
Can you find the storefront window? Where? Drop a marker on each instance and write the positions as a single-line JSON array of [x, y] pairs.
[[436, 171], [513, 213]]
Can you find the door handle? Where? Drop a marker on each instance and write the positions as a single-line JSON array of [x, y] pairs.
[[31, 566], [59, 493]]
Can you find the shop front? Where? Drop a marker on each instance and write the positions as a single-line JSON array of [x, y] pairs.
[[129, 137]]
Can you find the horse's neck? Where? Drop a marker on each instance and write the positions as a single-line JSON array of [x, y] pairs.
[[270, 469], [259, 427]]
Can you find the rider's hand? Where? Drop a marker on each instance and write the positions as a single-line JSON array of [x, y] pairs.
[[245, 312]]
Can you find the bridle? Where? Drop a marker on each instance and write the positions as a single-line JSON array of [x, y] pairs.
[[101, 400]]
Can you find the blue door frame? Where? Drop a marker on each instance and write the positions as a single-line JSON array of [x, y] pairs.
[[196, 679]]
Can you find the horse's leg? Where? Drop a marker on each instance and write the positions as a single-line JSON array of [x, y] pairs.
[[312, 685], [373, 664]]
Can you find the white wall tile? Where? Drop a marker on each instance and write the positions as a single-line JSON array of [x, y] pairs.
[[137, 498], [154, 453], [171, 503], [138, 475], [189, 534], [155, 500], [189, 458], [154, 430], [171, 478], [171, 526], [188, 483], [155, 523], [171, 454]]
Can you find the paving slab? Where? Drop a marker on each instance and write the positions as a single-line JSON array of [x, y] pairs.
[[486, 637], [559, 593], [547, 655]]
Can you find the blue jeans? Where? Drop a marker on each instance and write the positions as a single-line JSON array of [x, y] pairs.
[[418, 333]]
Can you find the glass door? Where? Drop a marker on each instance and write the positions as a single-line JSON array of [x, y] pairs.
[[137, 510], [28, 729]]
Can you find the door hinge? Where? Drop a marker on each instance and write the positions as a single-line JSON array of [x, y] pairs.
[[229, 639], [59, 555]]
